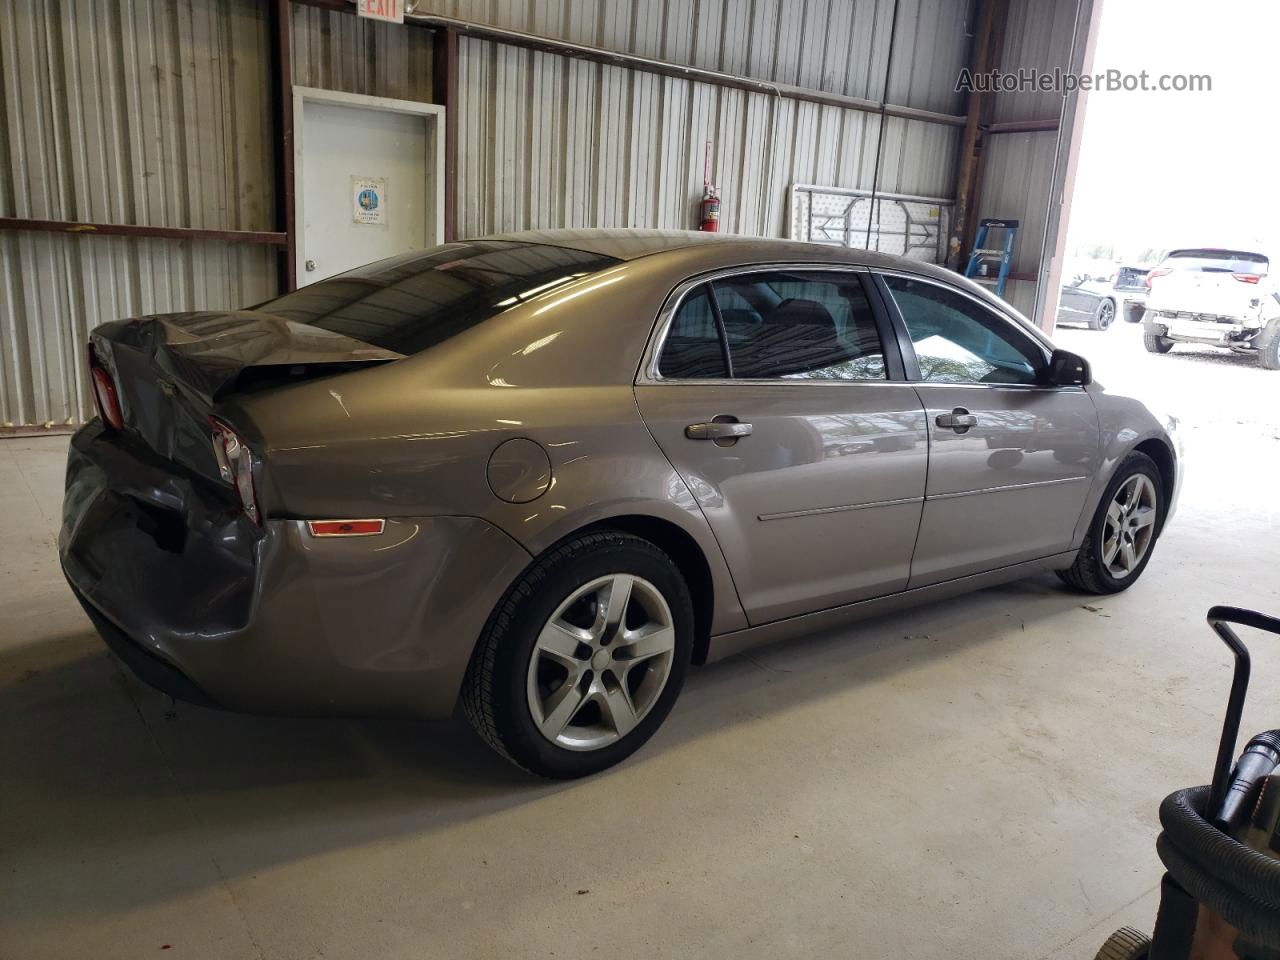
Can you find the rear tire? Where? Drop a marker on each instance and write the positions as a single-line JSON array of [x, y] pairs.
[[1155, 344], [560, 683], [1269, 346], [1125, 944], [1103, 566], [1104, 316]]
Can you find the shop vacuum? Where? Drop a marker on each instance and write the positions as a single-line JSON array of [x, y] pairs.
[[1220, 844]]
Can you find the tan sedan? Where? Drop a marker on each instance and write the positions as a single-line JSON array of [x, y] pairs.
[[541, 474]]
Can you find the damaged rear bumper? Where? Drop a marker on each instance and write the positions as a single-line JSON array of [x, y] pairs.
[[203, 604], [1230, 332]]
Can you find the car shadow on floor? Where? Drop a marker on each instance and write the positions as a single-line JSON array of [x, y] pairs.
[[1187, 354], [88, 750]]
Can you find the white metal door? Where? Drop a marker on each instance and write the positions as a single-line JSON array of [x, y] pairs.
[[368, 182]]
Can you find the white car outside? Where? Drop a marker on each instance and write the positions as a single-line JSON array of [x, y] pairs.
[[1214, 297]]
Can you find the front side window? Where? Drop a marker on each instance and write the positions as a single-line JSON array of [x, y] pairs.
[[957, 340]]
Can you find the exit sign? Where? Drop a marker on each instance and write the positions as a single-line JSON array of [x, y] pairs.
[[390, 10]]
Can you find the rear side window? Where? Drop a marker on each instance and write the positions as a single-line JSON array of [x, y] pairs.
[[414, 301], [957, 340], [778, 326], [798, 326], [693, 350], [1217, 261]]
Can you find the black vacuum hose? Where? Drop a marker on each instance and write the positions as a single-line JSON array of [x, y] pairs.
[[1259, 759], [1239, 884]]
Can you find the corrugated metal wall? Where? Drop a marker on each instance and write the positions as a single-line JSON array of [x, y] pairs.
[[150, 112], [157, 112], [1018, 177], [336, 51], [549, 141], [839, 46], [1020, 167]]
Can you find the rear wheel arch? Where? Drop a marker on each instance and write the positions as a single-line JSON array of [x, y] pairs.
[[688, 557]]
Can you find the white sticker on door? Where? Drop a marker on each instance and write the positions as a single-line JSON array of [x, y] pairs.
[[369, 199]]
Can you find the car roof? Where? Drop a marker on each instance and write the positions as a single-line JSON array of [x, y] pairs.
[[727, 250], [627, 244], [620, 243]]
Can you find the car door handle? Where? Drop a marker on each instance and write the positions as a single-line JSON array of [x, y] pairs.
[[717, 430], [958, 420]]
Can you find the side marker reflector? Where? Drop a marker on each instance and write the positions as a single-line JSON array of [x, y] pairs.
[[346, 528]]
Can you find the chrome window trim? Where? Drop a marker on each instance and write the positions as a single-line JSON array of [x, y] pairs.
[[994, 386], [649, 375]]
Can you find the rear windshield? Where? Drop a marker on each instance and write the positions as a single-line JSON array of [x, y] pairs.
[[417, 300], [1218, 261]]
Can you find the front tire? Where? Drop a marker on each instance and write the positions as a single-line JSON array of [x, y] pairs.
[[584, 657], [1122, 535], [1155, 344]]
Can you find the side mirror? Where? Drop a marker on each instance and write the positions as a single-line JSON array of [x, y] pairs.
[[1067, 369]]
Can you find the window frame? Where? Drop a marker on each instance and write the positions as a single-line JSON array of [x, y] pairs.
[[890, 341], [1015, 331]]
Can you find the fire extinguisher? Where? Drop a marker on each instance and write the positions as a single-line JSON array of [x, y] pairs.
[[710, 209]]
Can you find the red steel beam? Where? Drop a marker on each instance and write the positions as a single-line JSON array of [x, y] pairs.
[[1023, 126], [268, 238], [444, 91], [286, 216]]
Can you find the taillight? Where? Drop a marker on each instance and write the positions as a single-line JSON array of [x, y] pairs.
[[1247, 277], [105, 397], [235, 463], [346, 528], [1157, 273]]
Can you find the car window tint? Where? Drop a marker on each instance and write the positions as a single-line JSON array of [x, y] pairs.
[[798, 326], [959, 341], [692, 350], [739, 314], [414, 301]]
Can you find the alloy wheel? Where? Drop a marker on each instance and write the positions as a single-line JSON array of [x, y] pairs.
[[600, 662], [1130, 526]]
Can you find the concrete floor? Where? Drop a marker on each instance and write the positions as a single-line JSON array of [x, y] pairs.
[[976, 779]]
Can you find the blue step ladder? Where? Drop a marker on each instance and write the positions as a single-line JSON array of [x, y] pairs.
[[990, 265]]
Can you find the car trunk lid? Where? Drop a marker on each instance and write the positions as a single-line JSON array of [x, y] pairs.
[[1132, 279], [172, 369], [1209, 283], [1201, 293]]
